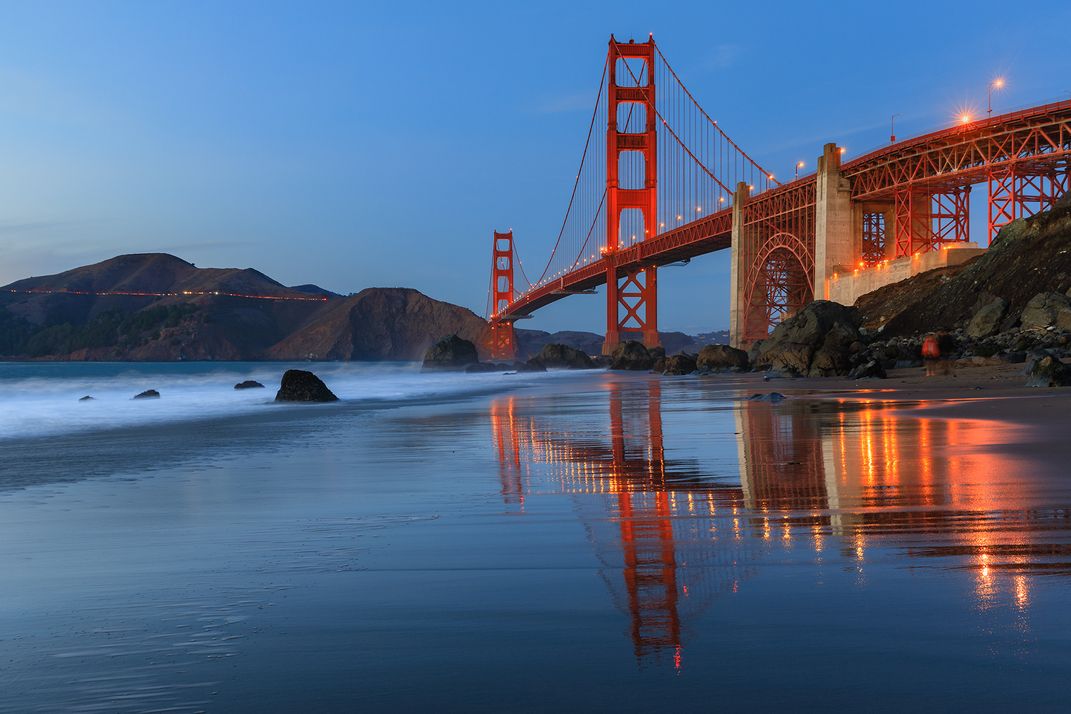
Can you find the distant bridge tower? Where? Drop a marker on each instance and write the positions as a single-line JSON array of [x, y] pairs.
[[632, 296], [503, 340]]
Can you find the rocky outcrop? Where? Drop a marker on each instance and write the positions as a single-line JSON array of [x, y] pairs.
[[872, 369], [556, 356], [721, 358], [1048, 372], [1027, 256], [987, 318], [1047, 310], [632, 355], [148, 394], [298, 385], [86, 398], [683, 363], [451, 352], [814, 342], [249, 384]]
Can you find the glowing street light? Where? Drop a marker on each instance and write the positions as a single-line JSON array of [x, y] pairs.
[[964, 118], [997, 83], [799, 165]]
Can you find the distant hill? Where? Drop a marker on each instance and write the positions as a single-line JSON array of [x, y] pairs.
[[157, 307], [314, 290]]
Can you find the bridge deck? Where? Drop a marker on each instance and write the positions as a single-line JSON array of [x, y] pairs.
[[1032, 138]]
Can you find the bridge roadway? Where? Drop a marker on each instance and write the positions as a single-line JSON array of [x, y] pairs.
[[1024, 141]]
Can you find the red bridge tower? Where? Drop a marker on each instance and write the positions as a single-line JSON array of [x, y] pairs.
[[503, 343], [631, 297]]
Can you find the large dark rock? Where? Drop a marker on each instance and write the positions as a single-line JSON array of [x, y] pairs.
[[564, 357], [816, 341], [249, 384], [721, 358], [632, 355], [532, 365], [683, 363], [86, 398], [451, 352], [1047, 310], [868, 370], [1048, 372], [148, 394], [987, 318], [301, 386]]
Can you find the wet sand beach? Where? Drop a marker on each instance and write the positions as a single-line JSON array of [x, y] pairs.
[[567, 541]]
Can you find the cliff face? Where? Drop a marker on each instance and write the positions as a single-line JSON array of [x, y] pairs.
[[158, 307], [379, 324], [1028, 256]]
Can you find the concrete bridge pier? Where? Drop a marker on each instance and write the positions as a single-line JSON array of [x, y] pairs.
[[836, 246], [737, 271]]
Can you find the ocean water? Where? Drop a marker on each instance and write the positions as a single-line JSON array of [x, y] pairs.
[[567, 541]]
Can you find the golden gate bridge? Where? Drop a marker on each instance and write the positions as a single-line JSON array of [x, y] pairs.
[[667, 183]]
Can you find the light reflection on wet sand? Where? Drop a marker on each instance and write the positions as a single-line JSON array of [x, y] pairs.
[[595, 541], [842, 476]]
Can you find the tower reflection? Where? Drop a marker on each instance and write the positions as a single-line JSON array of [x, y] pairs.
[[672, 534]]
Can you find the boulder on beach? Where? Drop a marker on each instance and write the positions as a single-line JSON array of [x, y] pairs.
[[451, 352], [987, 318], [148, 394], [249, 384], [632, 355], [816, 341], [1047, 310], [564, 357], [872, 369], [683, 363], [1048, 372], [721, 358], [86, 398], [300, 386]]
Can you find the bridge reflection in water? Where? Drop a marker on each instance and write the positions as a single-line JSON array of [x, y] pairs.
[[837, 478]]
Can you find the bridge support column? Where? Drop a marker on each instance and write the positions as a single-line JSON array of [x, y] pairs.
[[834, 247], [632, 303], [631, 307], [613, 331], [502, 338], [737, 270]]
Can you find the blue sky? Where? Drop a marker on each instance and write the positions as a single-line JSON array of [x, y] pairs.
[[379, 144]]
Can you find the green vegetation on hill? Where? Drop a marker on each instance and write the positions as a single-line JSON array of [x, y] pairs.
[[108, 329]]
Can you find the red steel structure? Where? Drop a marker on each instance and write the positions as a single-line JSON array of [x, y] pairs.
[[503, 338], [668, 189], [631, 294]]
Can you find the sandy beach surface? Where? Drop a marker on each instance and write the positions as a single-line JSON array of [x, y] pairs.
[[570, 541]]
